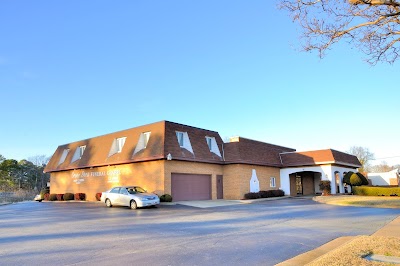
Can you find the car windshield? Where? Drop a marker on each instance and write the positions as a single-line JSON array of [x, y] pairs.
[[134, 190]]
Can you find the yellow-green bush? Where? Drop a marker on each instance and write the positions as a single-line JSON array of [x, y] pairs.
[[376, 191]]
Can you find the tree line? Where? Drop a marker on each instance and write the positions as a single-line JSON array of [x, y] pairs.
[[25, 174]]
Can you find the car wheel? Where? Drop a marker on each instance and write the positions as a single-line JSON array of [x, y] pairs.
[[108, 203], [133, 205]]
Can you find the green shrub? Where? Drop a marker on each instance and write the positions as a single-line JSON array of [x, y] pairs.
[[278, 193], [53, 197], [166, 198], [265, 193], [98, 196], [69, 196], [252, 195], [376, 191], [355, 179]]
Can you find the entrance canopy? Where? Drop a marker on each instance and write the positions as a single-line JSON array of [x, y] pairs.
[[303, 171]]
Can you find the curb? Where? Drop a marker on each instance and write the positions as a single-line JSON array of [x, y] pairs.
[[392, 229], [311, 255]]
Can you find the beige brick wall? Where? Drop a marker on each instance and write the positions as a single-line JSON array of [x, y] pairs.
[[149, 175], [155, 176], [192, 168], [237, 179]]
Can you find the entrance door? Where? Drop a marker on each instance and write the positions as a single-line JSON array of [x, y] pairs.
[[220, 187], [299, 185]]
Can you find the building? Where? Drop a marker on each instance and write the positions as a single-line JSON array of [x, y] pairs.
[[390, 178], [191, 164]]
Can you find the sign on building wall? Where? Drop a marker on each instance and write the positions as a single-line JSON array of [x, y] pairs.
[[113, 176]]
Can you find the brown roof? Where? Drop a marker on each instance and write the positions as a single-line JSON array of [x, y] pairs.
[[318, 157], [248, 151], [163, 142]]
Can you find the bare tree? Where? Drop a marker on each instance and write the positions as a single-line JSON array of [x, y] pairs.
[[364, 156], [373, 26], [39, 160], [382, 167]]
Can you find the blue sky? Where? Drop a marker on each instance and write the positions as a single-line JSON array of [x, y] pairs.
[[71, 70]]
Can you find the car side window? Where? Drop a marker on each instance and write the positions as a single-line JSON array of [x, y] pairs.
[[123, 191], [115, 190]]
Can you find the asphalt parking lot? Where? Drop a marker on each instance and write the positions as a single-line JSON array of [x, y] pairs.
[[262, 233]]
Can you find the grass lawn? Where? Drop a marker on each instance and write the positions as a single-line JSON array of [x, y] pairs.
[[353, 253], [362, 201]]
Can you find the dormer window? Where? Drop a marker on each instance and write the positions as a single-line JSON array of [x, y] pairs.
[[63, 156], [184, 141], [146, 138], [116, 146], [142, 142], [78, 153], [120, 144], [179, 136], [212, 145]]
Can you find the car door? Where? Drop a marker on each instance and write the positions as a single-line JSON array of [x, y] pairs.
[[114, 196], [124, 197]]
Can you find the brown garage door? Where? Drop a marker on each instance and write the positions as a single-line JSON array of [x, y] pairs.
[[190, 187]]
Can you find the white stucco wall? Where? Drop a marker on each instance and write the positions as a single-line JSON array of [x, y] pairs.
[[327, 173], [382, 179]]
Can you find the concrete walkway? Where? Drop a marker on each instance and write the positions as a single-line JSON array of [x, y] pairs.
[[220, 203]]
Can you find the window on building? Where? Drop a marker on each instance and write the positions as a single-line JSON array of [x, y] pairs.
[[209, 143], [78, 153], [142, 142], [116, 146], [120, 143], [212, 145], [184, 141], [63, 156], [179, 136], [146, 138], [272, 182]]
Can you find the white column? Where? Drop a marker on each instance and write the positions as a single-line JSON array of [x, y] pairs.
[[333, 182], [341, 187]]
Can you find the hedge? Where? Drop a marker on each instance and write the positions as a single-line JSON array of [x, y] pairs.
[[68, 196], [53, 197], [265, 194], [166, 198], [376, 191]]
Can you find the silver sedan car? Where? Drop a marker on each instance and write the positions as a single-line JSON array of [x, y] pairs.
[[130, 196]]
